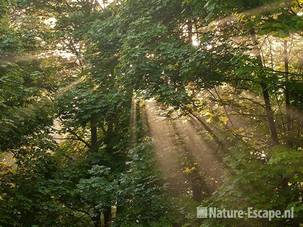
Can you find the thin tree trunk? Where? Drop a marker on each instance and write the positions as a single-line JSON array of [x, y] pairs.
[[94, 143], [94, 134], [273, 68], [190, 31], [269, 114], [133, 121], [271, 55], [107, 216], [286, 93], [265, 93]]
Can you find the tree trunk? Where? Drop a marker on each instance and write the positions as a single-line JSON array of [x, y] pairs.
[[190, 31], [107, 216], [265, 93], [94, 134], [133, 121], [286, 93], [269, 114]]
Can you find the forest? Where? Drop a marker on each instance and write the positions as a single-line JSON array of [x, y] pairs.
[[136, 113]]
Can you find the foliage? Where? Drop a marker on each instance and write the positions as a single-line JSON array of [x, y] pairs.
[[69, 71]]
